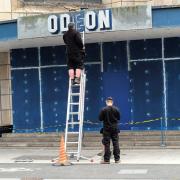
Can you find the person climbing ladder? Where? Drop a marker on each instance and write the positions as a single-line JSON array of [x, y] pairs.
[[75, 53]]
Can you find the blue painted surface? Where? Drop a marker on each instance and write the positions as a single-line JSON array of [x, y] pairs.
[[172, 47], [145, 49], [93, 97], [116, 85], [116, 78], [25, 100], [173, 97], [54, 98], [8, 30], [55, 55], [79, 21], [54, 87], [115, 57], [138, 93], [166, 17], [146, 81], [24, 57], [92, 52]]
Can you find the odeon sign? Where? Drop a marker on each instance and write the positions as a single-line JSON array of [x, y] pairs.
[[84, 20]]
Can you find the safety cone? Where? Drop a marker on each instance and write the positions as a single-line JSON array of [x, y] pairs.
[[62, 160]]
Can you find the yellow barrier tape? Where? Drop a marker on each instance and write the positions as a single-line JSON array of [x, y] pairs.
[[142, 122], [95, 123], [175, 119]]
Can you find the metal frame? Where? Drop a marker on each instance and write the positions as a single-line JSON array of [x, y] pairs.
[[71, 120]]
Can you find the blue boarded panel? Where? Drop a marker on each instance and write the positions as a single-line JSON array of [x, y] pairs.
[[25, 99], [92, 52], [145, 49], [8, 30], [78, 18], [146, 83], [93, 98], [115, 57], [165, 17], [172, 47], [54, 97], [116, 85], [173, 97], [55, 55], [24, 57]]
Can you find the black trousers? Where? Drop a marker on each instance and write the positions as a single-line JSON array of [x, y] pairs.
[[107, 137], [75, 61], [75, 64]]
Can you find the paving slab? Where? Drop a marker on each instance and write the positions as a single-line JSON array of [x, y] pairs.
[[145, 156]]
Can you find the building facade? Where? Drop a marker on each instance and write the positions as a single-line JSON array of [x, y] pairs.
[[132, 55]]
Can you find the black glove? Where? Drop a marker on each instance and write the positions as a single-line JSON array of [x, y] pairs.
[[83, 52], [101, 131]]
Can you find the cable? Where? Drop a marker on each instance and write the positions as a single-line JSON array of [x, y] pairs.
[[121, 1], [88, 2], [57, 3]]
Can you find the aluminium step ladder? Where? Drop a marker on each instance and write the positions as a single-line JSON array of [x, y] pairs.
[[75, 117]]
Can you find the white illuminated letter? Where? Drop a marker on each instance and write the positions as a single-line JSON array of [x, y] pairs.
[[90, 20], [64, 20], [104, 19], [52, 24]]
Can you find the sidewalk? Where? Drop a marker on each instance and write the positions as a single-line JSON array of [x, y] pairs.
[[40, 155]]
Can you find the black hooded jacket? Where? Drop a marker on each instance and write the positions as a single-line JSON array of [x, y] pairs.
[[74, 44], [110, 116]]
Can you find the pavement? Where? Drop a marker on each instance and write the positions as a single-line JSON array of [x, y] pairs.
[[129, 156], [136, 164]]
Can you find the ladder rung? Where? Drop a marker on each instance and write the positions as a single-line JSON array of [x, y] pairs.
[[75, 94], [73, 132], [74, 113], [74, 103], [72, 123], [72, 142], [72, 152], [75, 85]]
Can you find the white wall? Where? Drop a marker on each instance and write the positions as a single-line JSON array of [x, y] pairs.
[[5, 9], [115, 3], [5, 5]]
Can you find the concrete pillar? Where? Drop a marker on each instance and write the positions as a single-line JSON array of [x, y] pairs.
[[5, 90]]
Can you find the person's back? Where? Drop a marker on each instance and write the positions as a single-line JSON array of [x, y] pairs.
[[75, 53], [110, 116], [73, 42]]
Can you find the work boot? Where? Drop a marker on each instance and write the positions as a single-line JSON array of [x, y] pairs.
[[105, 162], [76, 81], [117, 161], [72, 81]]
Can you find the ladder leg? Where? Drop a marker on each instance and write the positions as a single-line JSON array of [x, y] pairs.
[[75, 118]]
